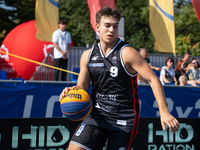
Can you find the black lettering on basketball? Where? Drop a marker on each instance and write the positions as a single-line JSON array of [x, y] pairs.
[[73, 95], [79, 96]]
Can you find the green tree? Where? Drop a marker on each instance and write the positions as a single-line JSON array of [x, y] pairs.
[[19, 12], [187, 30], [137, 31], [77, 14], [136, 13]]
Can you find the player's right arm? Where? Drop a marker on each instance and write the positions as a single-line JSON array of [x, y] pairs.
[[83, 81], [84, 76]]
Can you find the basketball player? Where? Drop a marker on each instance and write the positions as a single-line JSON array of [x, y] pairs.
[[112, 65]]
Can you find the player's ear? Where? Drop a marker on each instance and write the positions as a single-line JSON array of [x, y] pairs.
[[97, 27]]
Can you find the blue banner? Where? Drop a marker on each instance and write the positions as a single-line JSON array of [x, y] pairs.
[[183, 102], [41, 100]]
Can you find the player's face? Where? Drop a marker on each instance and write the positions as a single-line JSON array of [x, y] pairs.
[[108, 29]]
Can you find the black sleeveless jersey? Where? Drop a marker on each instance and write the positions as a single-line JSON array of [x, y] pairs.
[[114, 95]]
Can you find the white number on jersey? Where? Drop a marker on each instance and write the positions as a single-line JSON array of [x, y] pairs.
[[114, 71]]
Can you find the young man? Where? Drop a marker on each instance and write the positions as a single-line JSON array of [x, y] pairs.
[[112, 65], [62, 43], [145, 54]]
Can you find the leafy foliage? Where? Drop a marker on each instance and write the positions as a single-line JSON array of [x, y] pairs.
[[136, 13], [19, 11], [137, 31], [77, 14], [187, 30]]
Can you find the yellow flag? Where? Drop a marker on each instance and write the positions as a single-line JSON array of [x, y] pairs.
[[46, 18], [161, 21]]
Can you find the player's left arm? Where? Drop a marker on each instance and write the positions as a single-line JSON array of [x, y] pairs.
[[135, 63]]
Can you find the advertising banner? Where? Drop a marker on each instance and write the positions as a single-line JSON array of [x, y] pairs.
[[152, 137], [41, 100], [55, 134]]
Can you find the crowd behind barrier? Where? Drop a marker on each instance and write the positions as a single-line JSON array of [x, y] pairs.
[[44, 73], [74, 62]]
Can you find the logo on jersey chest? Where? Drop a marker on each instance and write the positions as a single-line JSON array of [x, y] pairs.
[[96, 64], [94, 58], [114, 59]]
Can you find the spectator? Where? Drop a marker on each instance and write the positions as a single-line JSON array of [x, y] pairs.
[[62, 43], [183, 80], [185, 59], [181, 72], [145, 53], [167, 74], [194, 71]]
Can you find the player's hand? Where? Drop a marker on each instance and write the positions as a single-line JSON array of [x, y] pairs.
[[65, 91], [172, 123]]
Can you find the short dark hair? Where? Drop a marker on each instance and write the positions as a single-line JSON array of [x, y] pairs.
[[62, 21], [108, 12], [167, 59], [194, 59]]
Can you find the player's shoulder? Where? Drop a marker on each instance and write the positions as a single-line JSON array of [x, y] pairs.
[[128, 50], [86, 53]]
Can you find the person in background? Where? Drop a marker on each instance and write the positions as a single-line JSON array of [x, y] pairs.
[[167, 74], [62, 43], [194, 71], [183, 73], [186, 61], [183, 80], [145, 54]]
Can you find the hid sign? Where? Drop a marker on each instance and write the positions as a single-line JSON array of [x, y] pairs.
[[37, 133], [152, 137]]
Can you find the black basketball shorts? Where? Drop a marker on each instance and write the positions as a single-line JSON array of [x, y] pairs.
[[92, 137]]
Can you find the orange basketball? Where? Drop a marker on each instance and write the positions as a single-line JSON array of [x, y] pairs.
[[76, 104]]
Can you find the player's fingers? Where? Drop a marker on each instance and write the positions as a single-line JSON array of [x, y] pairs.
[[63, 93], [170, 126], [175, 124], [163, 125], [74, 87]]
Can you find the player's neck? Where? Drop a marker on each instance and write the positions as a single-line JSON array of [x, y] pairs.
[[106, 48]]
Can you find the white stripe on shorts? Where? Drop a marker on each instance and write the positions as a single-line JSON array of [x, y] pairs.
[[83, 146]]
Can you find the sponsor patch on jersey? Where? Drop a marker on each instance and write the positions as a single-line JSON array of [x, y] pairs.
[[122, 122], [94, 58], [96, 64], [80, 129], [114, 59]]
